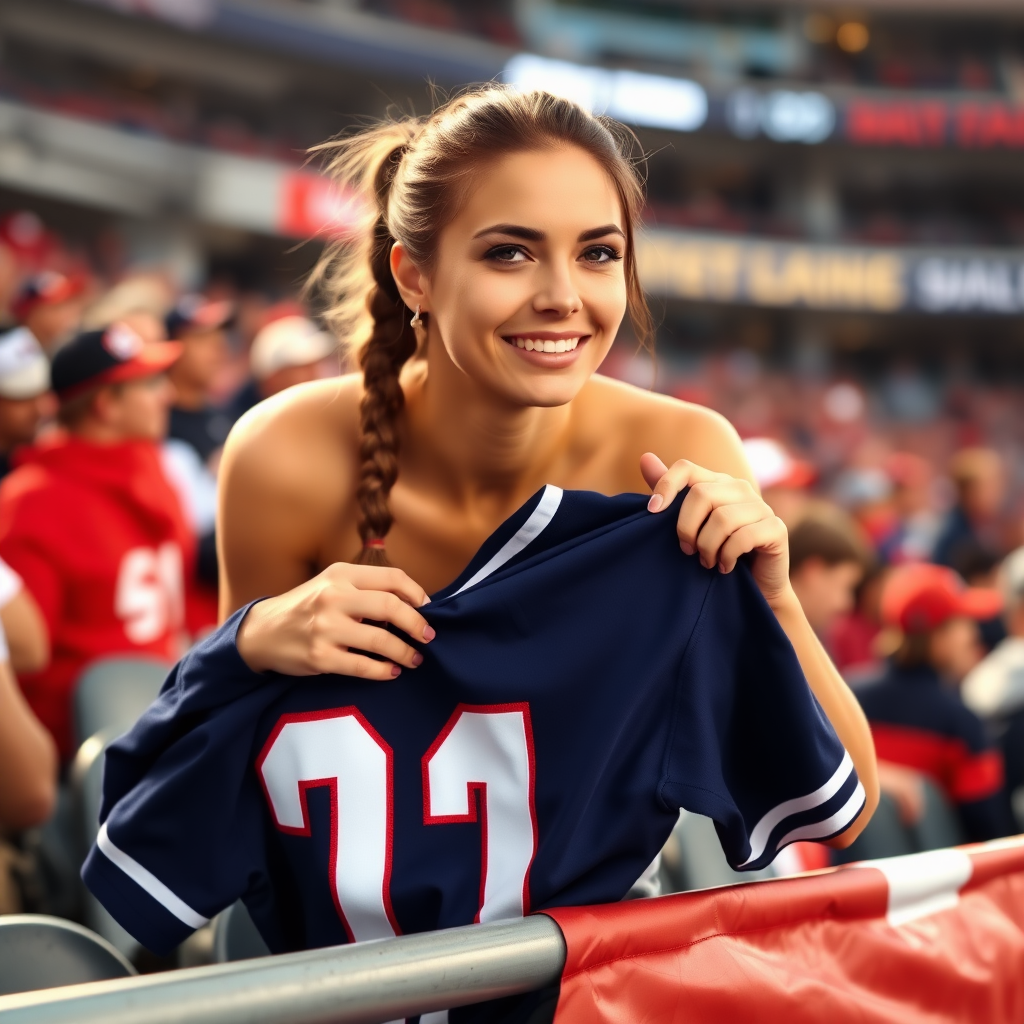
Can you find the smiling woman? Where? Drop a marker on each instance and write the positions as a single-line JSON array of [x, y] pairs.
[[479, 304]]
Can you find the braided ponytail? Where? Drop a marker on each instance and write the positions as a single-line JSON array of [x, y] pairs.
[[413, 175], [391, 344]]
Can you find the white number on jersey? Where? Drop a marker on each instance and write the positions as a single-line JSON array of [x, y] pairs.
[[481, 767], [484, 759], [339, 749], [149, 594]]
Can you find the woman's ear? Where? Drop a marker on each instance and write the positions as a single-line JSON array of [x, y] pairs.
[[412, 284]]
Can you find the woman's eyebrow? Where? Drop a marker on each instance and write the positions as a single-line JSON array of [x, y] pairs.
[[515, 230], [608, 229]]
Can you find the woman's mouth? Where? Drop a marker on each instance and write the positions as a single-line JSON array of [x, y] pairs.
[[552, 349], [545, 344]]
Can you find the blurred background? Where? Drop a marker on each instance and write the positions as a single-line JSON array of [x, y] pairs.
[[836, 253]]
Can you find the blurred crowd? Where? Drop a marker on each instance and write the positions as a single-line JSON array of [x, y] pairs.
[[905, 507], [904, 501], [116, 398]]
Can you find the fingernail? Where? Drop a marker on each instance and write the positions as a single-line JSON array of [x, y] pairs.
[[396, 670], [417, 660], [687, 548], [655, 503], [721, 567], [428, 633], [426, 600]]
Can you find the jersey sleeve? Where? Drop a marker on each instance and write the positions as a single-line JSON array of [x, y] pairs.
[[182, 823], [751, 747]]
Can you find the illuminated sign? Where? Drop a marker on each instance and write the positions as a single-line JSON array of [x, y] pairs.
[[969, 283], [934, 122], [709, 268], [782, 114], [654, 101], [675, 264]]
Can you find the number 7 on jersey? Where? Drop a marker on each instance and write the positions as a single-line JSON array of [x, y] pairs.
[[479, 769]]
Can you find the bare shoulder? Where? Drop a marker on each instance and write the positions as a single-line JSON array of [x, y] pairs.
[[298, 446], [644, 421]]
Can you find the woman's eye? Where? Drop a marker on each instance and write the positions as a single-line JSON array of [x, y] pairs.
[[507, 254], [601, 254]]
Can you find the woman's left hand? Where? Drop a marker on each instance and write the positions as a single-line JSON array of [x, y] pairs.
[[722, 518]]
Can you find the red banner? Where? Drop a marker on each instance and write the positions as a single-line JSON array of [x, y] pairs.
[[312, 205], [932, 937]]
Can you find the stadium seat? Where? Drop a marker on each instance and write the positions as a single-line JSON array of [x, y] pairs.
[[113, 692], [1012, 742], [86, 779], [940, 826], [235, 936], [44, 952], [885, 836], [693, 858]]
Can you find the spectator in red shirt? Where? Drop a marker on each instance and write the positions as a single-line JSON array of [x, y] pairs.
[[90, 522]]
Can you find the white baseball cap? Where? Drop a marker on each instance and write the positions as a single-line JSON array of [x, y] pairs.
[[24, 368], [290, 341], [773, 466]]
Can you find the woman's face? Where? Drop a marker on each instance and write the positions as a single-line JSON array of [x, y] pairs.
[[528, 289]]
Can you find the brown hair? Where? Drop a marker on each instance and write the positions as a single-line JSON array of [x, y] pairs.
[[414, 174], [832, 538]]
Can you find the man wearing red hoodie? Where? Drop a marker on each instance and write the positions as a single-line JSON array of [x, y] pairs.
[[90, 522]]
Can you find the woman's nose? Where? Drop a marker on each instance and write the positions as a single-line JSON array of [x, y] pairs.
[[557, 294]]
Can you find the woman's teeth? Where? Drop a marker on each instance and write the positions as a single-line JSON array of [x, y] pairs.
[[562, 345]]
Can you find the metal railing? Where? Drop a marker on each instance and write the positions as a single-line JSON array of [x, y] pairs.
[[366, 983]]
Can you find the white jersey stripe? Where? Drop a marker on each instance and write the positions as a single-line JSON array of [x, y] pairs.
[[828, 827], [146, 880], [764, 828], [526, 534]]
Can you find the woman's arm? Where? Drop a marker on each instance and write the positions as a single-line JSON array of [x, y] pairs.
[[724, 517], [28, 760], [285, 487]]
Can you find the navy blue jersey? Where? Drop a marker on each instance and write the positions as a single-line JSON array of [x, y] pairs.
[[587, 680]]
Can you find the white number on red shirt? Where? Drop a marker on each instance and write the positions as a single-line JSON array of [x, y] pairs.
[[149, 594]]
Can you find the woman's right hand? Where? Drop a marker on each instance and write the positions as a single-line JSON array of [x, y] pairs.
[[317, 627]]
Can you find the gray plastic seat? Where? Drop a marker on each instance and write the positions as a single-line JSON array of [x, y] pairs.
[[939, 826], [43, 952], [235, 937], [884, 836], [693, 858], [86, 779], [113, 693]]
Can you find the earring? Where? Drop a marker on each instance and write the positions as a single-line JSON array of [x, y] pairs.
[[417, 320]]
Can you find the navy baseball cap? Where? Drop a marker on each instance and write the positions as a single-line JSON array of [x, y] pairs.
[[109, 356], [46, 289], [196, 312]]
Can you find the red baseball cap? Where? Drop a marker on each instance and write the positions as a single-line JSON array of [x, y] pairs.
[[109, 356], [921, 597]]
